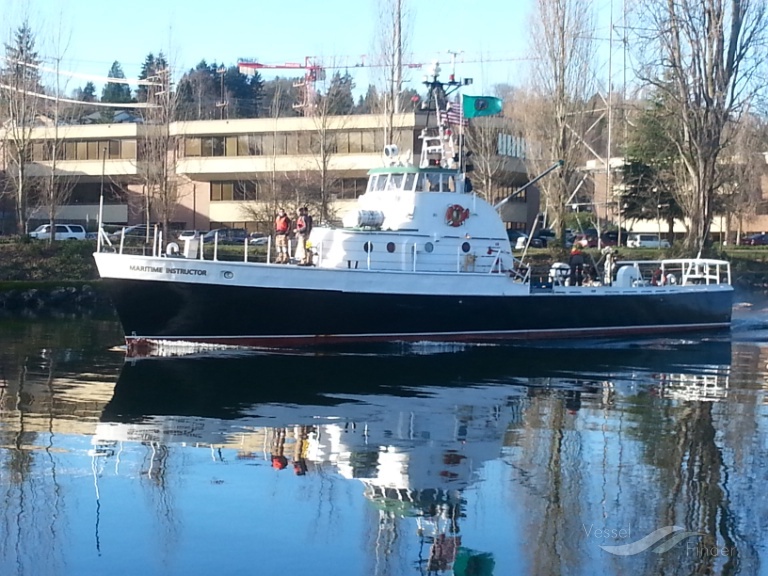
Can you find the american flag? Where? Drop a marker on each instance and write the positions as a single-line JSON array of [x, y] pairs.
[[454, 114]]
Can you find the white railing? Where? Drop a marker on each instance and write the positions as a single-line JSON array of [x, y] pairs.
[[464, 262], [681, 271]]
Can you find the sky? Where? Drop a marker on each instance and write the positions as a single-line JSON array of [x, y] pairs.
[[491, 38]]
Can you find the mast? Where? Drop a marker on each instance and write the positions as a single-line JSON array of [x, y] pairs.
[[398, 75], [439, 147]]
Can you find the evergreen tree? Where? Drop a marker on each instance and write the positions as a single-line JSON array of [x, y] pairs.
[[200, 92], [20, 109], [649, 173], [279, 96], [237, 93], [370, 103], [19, 55], [256, 85], [339, 95], [88, 94], [185, 107], [149, 69], [114, 92]]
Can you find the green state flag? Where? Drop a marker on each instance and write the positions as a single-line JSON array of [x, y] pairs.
[[474, 106]]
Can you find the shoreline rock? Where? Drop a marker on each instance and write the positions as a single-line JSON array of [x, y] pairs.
[[44, 299]]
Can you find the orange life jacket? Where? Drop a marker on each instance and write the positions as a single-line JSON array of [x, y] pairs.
[[282, 224]]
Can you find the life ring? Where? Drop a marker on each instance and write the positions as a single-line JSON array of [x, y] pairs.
[[172, 249], [456, 215]]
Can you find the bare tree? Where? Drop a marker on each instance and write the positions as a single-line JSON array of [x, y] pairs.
[[20, 84], [482, 137], [391, 44], [275, 191], [159, 151], [329, 116], [57, 188], [743, 169], [705, 57], [555, 112]]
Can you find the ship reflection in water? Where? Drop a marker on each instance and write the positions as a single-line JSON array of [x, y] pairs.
[[478, 460]]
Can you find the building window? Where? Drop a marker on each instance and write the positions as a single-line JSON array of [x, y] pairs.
[[291, 143], [206, 147], [193, 147], [128, 149], [267, 144], [369, 142], [355, 142], [242, 146], [280, 144], [238, 191], [342, 142], [305, 143], [230, 146]]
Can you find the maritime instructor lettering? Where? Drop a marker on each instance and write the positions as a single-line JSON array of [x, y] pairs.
[[161, 270]]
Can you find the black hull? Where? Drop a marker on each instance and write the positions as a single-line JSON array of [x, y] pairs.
[[250, 316]]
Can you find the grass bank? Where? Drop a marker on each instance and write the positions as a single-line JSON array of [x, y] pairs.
[[64, 263]]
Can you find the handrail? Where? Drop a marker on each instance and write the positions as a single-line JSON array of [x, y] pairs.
[[706, 271]]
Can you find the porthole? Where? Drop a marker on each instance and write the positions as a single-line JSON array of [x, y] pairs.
[[390, 247], [429, 247], [368, 247], [465, 247]]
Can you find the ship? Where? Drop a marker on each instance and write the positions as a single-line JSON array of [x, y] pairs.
[[422, 257]]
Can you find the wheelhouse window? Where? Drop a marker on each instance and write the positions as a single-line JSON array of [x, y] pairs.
[[430, 183], [381, 182], [395, 182], [410, 180]]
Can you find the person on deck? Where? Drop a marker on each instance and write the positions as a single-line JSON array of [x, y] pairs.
[[282, 229], [303, 229], [576, 263]]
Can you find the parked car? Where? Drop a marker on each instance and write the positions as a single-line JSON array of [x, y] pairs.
[[611, 238], [542, 238], [513, 235], [755, 240], [636, 240], [226, 235], [258, 239], [518, 239], [63, 232], [188, 234], [135, 232], [585, 240]]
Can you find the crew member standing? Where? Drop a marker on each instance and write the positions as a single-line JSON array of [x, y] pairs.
[[282, 229], [303, 229], [576, 263]]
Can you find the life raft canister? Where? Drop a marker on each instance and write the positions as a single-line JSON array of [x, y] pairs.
[[456, 215]]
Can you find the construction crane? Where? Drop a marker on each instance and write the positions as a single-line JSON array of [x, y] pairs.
[[313, 73]]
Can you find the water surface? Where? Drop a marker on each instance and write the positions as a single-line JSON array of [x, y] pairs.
[[395, 460]]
